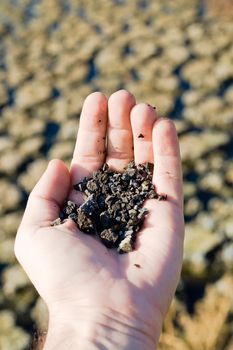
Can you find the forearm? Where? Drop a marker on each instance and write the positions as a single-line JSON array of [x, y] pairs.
[[102, 332]]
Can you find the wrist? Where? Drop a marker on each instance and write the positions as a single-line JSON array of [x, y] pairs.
[[94, 329]]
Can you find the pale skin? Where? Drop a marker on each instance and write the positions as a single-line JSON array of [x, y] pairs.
[[97, 298]]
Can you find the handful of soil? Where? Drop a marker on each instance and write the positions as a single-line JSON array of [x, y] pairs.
[[112, 208]]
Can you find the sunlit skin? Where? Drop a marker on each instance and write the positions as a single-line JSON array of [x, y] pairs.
[[97, 298]]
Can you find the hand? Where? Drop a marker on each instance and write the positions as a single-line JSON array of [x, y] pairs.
[[97, 298]]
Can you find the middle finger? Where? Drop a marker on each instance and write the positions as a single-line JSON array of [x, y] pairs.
[[119, 134]]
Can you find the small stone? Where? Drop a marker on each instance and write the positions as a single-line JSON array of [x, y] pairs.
[[10, 162], [152, 194], [15, 339], [70, 207], [227, 256], [227, 226], [92, 186], [11, 194], [85, 224], [192, 206], [14, 278], [9, 224], [142, 213], [7, 255], [105, 167], [7, 320], [126, 245], [61, 150], [31, 175], [56, 222], [40, 314], [33, 92], [195, 145], [128, 233], [73, 216], [131, 172], [162, 197], [90, 206], [106, 219], [109, 237]]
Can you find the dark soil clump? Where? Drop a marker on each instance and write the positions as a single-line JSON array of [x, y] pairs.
[[112, 209]]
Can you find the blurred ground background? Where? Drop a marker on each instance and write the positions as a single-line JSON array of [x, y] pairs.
[[177, 55]]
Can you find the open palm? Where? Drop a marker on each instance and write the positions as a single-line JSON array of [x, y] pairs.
[[78, 277]]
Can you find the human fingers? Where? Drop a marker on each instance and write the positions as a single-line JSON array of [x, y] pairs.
[[119, 133], [89, 153], [167, 171], [142, 118], [48, 195]]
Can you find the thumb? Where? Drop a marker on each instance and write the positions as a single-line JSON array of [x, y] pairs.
[[48, 195]]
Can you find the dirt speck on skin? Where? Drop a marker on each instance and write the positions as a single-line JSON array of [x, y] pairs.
[[149, 105], [113, 205], [141, 136], [137, 265]]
